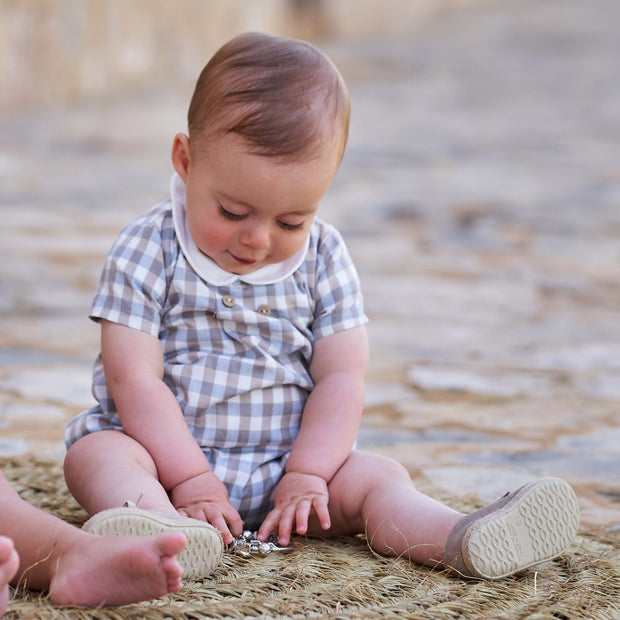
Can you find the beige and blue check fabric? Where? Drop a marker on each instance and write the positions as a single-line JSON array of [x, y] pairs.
[[236, 356]]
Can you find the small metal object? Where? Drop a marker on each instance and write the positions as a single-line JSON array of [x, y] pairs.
[[248, 545]]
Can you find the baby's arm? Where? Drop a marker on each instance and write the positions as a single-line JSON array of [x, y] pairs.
[[150, 414], [329, 426]]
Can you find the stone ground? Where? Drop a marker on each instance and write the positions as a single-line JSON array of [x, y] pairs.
[[480, 197]]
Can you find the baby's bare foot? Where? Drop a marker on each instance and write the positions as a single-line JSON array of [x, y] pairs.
[[9, 563], [117, 570]]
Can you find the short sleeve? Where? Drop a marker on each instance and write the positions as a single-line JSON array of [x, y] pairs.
[[132, 288], [339, 304]]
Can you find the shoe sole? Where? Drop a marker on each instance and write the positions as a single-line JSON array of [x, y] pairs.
[[204, 549], [536, 525]]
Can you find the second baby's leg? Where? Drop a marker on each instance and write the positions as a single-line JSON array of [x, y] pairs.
[[107, 468], [373, 494]]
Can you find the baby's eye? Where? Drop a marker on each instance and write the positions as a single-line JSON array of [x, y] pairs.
[[291, 227], [234, 217]]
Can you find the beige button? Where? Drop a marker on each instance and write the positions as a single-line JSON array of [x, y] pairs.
[[228, 301], [264, 309]]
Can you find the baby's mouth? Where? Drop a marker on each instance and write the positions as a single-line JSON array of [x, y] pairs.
[[244, 261]]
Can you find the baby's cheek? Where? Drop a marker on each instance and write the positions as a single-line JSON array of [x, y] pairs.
[[211, 239], [287, 247]]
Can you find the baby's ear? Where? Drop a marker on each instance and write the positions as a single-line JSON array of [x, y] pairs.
[[181, 155]]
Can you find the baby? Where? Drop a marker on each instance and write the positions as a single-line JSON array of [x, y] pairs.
[[230, 384]]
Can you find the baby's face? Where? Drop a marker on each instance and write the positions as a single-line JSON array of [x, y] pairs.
[[246, 211]]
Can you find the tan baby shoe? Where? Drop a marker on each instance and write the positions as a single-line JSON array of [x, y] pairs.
[[204, 549], [533, 524]]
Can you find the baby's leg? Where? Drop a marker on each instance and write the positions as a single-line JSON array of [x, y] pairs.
[[107, 468], [374, 495], [9, 563]]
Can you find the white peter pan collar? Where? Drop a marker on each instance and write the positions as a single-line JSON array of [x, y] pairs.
[[208, 269]]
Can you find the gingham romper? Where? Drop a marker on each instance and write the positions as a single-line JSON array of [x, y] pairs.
[[237, 349]]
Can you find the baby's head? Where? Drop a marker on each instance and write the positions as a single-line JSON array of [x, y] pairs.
[[268, 124], [284, 98]]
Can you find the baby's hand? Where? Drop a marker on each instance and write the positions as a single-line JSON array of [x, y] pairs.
[[296, 498], [204, 497]]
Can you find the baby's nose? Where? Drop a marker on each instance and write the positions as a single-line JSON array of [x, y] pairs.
[[257, 236]]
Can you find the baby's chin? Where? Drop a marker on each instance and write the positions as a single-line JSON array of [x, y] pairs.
[[243, 270]]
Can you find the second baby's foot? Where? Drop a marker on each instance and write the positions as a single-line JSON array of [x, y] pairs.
[[118, 570]]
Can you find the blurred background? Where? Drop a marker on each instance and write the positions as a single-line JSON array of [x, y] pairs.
[[59, 52], [479, 196]]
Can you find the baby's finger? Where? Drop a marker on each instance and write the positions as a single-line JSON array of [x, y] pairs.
[[320, 505], [269, 524], [235, 526], [286, 525], [302, 512], [217, 520], [234, 521]]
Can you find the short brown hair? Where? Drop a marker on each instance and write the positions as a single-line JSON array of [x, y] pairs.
[[284, 97]]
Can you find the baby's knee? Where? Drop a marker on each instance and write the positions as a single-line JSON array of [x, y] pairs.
[[394, 471], [382, 469]]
